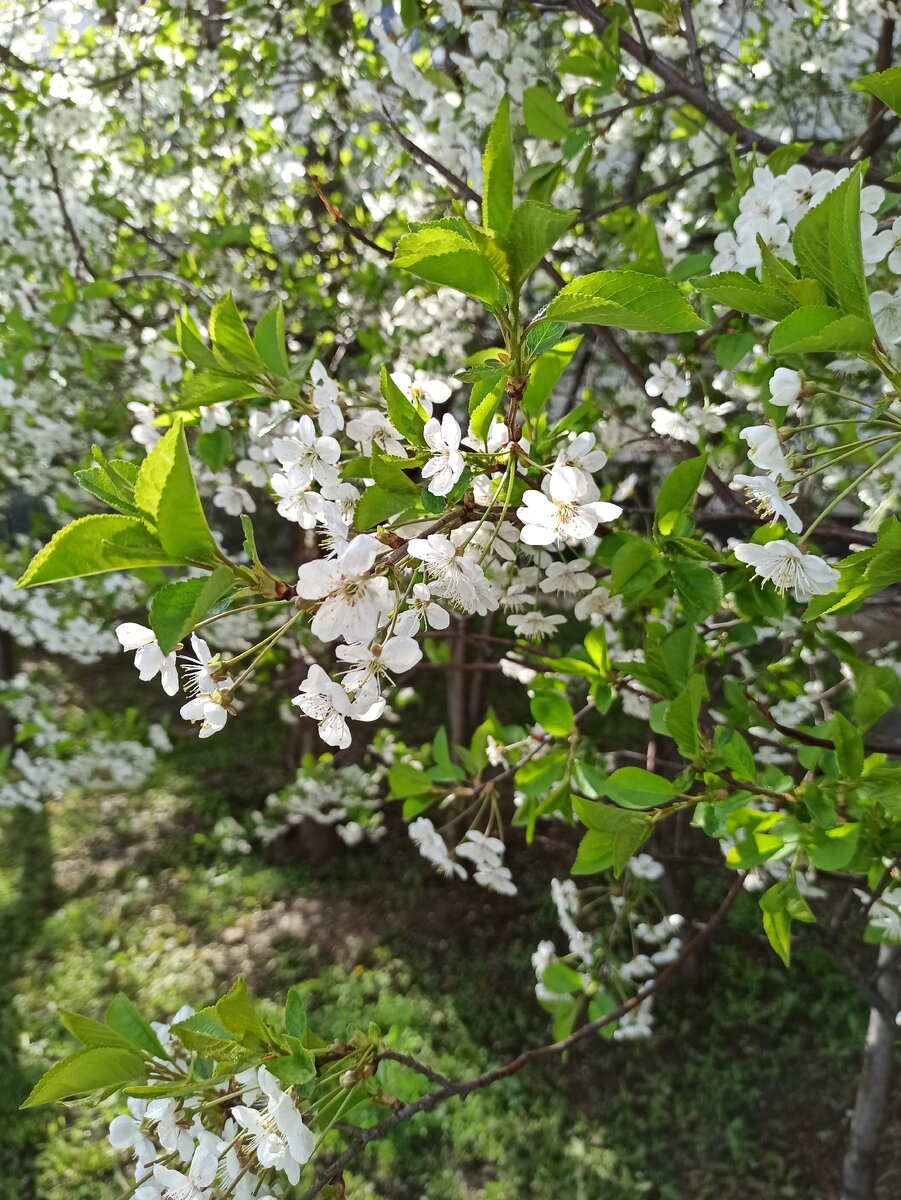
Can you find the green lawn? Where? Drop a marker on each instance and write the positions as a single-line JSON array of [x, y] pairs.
[[107, 893]]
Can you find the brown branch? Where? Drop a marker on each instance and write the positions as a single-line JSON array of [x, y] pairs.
[[354, 230], [694, 50], [657, 190], [810, 739], [716, 113], [513, 1066]]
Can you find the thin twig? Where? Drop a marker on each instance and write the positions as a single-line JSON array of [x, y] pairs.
[[466, 1087]]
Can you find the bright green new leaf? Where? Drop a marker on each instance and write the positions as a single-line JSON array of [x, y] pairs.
[[677, 493], [295, 1013], [402, 413], [827, 247], [445, 257], [111, 482], [497, 172], [781, 905], [166, 491], [558, 977], [682, 716], [122, 1016], [269, 341], [534, 231], [885, 86], [545, 374], [553, 713], [544, 115], [849, 748], [625, 300], [232, 345], [377, 505], [97, 1068], [95, 545], [177, 607], [94, 1033], [595, 853], [204, 1033], [630, 836], [238, 1015], [745, 294], [821, 330]]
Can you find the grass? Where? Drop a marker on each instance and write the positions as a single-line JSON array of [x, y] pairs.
[[741, 1092]]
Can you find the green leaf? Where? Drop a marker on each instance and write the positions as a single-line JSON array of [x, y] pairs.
[[534, 231], [497, 172], [445, 257], [204, 1034], [401, 412], [484, 402], [544, 337], [404, 779], [677, 493], [786, 156], [699, 588], [746, 295], [545, 374], [295, 1013], [207, 387], [377, 505], [122, 1016], [295, 1068], [94, 1033], [630, 564], [166, 491], [390, 475], [885, 86], [834, 849], [238, 1015], [231, 342], [98, 1068], [195, 351], [626, 300], [732, 348], [682, 717], [677, 652], [558, 977], [214, 447], [821, 329], [781, 905], [601, 1005], [553, 713], [631, 835], [595, 853], [177, 607], [634, 787], [269, 341], [848, 747], [827, 247], [102, 482], [95, 545], [596, 647], [544, 116]]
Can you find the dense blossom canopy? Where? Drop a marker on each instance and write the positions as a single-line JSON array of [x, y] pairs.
[[553, 348]]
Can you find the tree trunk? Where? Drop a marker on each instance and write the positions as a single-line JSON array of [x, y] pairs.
[[862, 1157]]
